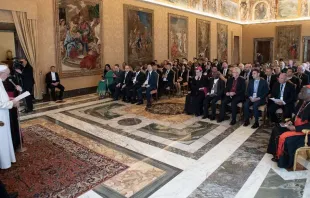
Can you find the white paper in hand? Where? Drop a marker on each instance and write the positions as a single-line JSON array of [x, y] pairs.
[[22, 96]]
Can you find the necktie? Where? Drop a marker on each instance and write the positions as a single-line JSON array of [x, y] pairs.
[[281, 89], [268, 79]]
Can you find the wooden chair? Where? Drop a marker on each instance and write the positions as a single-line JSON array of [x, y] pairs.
[[304, 148]]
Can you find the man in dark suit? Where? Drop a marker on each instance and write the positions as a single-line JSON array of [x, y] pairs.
[[125, 85], [118, 77], [270, 78], [257, 92], [293, 79], [138, 81], [307, 69], [52, 82], [216, 87], [149, 85], [303, 77], [234, 93], [225, 70], [168, 77], [247, 74], [27, 82], [284, 91]]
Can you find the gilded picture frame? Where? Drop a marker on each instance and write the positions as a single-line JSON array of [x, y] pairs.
[[80, 53]]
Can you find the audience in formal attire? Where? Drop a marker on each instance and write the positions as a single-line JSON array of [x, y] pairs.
[[138, 81], [168, 77], [225, 70], [125, 85], [234, 94], [256, 94], [52, 81], [293, 79], [216, 87], [149, 85], [247, 73], [194, 100], [270, 78], [118, 78], [284, 91], [302, 76], [182, 78]]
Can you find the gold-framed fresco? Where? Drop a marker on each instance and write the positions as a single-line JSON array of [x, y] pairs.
[[177, 36], [222, 42], [288, 40], [139, 35], [229, 9], [203, 38], [79, 47]]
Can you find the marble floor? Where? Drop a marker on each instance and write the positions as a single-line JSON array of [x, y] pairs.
[[171, 156]]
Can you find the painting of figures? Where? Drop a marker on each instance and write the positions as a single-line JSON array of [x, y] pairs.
[[203, 38], [139, 45], [229, 9], [288, 8], [288, 42], [78, 34], [222, 42], [260, 11], [178, 36]]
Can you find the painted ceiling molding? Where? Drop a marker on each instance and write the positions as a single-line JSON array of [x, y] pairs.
[[243, 11]]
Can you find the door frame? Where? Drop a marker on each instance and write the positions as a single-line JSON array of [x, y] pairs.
[[305, 46], [256, 40]]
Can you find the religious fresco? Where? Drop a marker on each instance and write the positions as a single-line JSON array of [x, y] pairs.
[[288, 42], [178, 36], [288, 8], [304, 8], [203, 38], [78, 33], [139, 37], [261, 11], [222, 42], [229, 9]]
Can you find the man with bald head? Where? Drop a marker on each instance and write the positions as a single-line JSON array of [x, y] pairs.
[[303, 77], [247, 74], [286, 92]]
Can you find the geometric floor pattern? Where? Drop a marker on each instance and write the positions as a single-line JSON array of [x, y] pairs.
[[171, 156]]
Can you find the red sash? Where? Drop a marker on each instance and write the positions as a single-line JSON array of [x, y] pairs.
[[287, 134]]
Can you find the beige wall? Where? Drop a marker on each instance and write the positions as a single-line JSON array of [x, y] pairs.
[[113, 35], [249, 32], [6, 43]]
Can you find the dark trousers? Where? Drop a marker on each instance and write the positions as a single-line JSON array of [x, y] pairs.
[[246, 109], [126, 93], [210, 100], [274, 139], [28, 99], [112, 88], [53, 93], [148, 94], [117, 91], [234, 102], [288, 109], [132, 94], [3, 192]]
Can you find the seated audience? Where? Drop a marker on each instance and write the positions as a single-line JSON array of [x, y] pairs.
[[302, 76], [284, 91], [293, 79], [194, 100], [52, 82], [118, 78], [138, 81], [216, 87], [168, 77], [247, 74], [277, 71], [149, 85], [183, 75], [234, 93], [225, 70], [286, 138], [125, 85], [107, 80], [270, 78], [256, 94]]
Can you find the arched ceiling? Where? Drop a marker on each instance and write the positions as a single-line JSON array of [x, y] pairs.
[[244, 11]]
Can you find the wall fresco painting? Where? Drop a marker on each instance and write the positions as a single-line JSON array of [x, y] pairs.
[[288, 42]]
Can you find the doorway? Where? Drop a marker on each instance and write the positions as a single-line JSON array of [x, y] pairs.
[[264, 46], [236, 54]]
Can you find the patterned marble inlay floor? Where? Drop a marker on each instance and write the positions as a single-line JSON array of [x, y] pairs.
[[172, 156]]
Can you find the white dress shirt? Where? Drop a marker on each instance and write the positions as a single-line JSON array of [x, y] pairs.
[[53, 76]]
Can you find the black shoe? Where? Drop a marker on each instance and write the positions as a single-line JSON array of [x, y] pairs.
[[246, 123], [13, 195], [212, 118], [205, 117], [219, 120], [255, 125], [274, 159], [233, 122], [140, 103], [27, 111], [133, 102]]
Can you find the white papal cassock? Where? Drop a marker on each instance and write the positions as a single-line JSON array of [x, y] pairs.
[[7, 155]]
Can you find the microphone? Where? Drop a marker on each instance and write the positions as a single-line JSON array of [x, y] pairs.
[[11, 81]]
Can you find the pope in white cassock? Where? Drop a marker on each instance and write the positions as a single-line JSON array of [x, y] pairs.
[[7, 155]]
